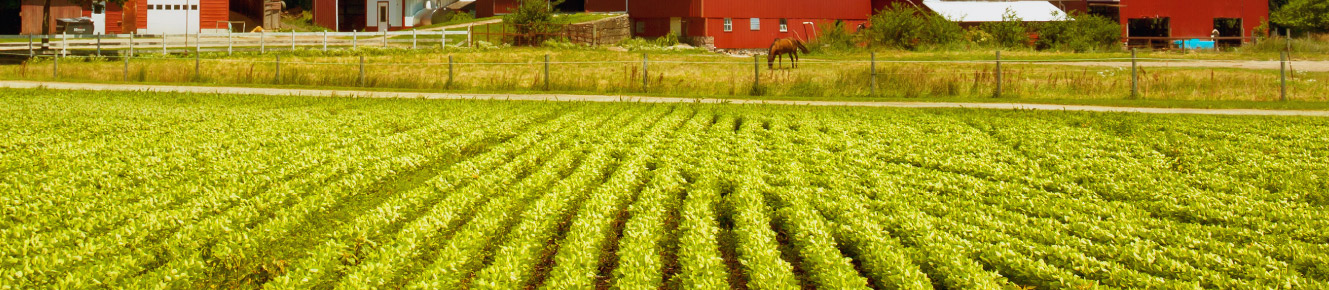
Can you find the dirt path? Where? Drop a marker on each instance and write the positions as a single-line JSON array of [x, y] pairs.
[[604, 98], [1313, 66]]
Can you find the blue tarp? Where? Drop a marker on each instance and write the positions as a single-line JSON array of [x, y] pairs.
[[1194, 44]]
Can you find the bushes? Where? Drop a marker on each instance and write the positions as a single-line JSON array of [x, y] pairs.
[[907, 27], [834, 37], [1080, 33], [1010, 32]]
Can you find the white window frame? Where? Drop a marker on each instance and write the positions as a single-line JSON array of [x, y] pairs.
[[728, 25], [754, 24], [784, 25]]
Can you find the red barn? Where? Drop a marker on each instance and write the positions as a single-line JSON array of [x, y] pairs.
[[744, 23], [1192, 18]]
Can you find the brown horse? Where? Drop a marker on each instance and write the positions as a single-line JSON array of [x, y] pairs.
[[788, 46]]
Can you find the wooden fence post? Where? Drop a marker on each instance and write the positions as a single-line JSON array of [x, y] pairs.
[[470, 31], [546, 72], [1135, 76], [325, 40], [262, 42], [197, 75], [997, 92], [413, 39], [443, 39], [230, 45], [99, 44], [292, 40], [355, 36], [131, 45], [1282, 76], [278, 63], [31, 52], [873, 66], [362, 70], [756, 73], [449, 71], [164, 45], [645, 73]]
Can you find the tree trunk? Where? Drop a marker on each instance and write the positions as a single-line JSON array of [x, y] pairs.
[[46, 24]]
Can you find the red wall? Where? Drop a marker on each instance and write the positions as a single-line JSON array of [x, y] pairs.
[[31, 12], [487, 8], [325, 13], [1195, 18]]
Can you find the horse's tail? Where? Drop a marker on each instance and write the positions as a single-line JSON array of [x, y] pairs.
[[800, 46]]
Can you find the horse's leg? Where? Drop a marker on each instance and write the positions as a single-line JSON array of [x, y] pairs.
[[793, 58]]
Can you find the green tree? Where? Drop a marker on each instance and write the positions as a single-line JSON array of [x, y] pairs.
[[533, 21], [1010, 32], [1080, 32], [1303, 15]]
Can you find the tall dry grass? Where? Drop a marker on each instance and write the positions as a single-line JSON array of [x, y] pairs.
[[682, 74]]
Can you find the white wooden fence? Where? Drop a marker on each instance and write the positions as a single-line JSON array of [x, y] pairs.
[[261, 42]]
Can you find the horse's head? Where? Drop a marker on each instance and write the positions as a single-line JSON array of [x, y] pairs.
[[770, 60]]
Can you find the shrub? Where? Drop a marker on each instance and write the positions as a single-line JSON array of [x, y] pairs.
[[908, 27], [1080, 32], [833, 37], [533, 21], [1010, 32]]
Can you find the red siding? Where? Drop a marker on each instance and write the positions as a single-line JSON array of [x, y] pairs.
[[211, 11], [325, 13], [487, 8], [31, 12], [1195, 18]]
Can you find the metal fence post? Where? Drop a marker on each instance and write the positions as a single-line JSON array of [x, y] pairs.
[[99, 44], [873, 65], [645, 72], [997, 93], [362, 70], [1282, 76], [325, 40], [131, 45], [546, 72], [449, 71], [262, 42], [413, 39], [126, 73], [1135, 76], [278, 69]]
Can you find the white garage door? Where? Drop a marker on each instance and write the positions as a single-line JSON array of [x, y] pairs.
[[172, 17]]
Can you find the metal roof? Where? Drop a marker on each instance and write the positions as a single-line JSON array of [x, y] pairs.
[[459, 5], [987, 11]]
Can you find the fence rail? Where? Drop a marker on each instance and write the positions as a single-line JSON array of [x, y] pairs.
[[100, 44]]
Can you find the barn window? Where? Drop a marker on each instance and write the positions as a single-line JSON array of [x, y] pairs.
[[755, 24], [784, 25], [641, 27], [728, 24], [193, 7]]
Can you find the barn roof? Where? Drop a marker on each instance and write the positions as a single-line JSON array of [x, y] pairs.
[[989, 11]]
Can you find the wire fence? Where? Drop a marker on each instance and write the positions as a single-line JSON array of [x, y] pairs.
[[670, 75]]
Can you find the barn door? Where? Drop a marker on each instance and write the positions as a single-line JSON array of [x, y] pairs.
[[383, 16], [99, 17], [172, 17]]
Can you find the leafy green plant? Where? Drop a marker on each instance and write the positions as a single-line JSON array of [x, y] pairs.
[[908, 27], [1080, 33], [1010, 32], [532, 21]]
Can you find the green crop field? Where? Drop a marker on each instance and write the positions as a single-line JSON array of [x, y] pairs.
[[151, 190]]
